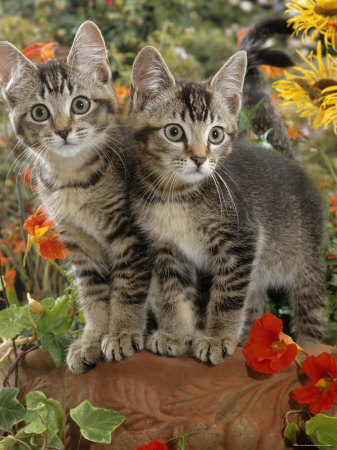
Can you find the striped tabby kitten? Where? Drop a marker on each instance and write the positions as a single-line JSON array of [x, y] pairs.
[[65, 114], [226, 221]]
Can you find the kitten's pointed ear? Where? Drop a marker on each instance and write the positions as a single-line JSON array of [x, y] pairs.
[[228, 82], [150, 76], [88, 52], [12, 63]]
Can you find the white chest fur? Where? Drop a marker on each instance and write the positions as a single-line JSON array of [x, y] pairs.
[[173, 223], [71, 206]]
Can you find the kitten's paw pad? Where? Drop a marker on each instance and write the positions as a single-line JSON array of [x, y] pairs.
[[167, 344], [116, 348], [212, 350], [83, 355]]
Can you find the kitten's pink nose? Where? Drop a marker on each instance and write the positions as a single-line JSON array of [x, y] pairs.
[[199, 160], [63, 133]]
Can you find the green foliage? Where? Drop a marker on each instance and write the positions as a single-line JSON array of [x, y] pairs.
[[96, 424], [11, 410], [290, 432], [44, 416], [13, 321], [322, 429], [246, 116], [43, 421]]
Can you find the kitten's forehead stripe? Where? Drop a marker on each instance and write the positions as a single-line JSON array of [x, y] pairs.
[[197, 100], [54, 77]]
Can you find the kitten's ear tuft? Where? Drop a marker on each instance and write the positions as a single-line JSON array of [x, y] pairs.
[[228, 82], [88, 52], [12, 63], [150, 76]]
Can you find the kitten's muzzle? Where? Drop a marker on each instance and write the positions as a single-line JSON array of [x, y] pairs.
[[199, 160], [63, 133], [197, 153]]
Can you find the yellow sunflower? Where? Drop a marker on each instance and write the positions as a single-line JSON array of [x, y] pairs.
[[312, 91], [320, 15]]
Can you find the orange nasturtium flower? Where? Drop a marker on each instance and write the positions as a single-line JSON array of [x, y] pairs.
[[272, 71], [41, 231], [293, 133], [9, 278], [25, 175], [40, 52], [153, 445], [322, 392], [268, 350], [333, 204], [121, 92]]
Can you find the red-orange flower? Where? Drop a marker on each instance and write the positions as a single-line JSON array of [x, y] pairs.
[[322, 393], [153, 445], [25, 175], [9, 278], [293, 133], [241, 35], [268, 350], [3, 259], [333, 203], [40, 52], [49, 245], [121, 92], [272, 71]]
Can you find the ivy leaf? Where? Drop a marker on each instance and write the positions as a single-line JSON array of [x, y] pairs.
[[36, 426], [13, 321], [56, 345], [290, 432], [48, 302], [55, 320], [324, 428], [44, 414], [246, 115], [11, 410], [96, 424]]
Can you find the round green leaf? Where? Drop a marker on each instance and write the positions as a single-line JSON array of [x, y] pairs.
[[325, 429]]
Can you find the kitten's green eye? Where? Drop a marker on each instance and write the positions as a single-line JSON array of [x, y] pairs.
[[40, 113], [216, 135], [80, 105], [174, 132]]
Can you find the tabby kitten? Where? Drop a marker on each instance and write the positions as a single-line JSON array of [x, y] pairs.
[[65, 114], [226, 221]]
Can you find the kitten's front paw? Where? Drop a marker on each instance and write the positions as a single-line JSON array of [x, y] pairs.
[[116, 348], [213, 350], [167, 344], [83, 355]]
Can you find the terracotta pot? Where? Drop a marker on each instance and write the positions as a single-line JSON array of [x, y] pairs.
[[232, 407]]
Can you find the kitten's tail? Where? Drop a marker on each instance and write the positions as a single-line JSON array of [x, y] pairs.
[[267, 115]]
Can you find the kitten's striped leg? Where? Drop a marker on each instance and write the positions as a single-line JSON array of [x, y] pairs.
[[254, 308], [308, 299], [127, 313], [94, 294], [231, 269], [171, 306]]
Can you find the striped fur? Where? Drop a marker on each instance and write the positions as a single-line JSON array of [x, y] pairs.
[[225, 221], [82, 163]]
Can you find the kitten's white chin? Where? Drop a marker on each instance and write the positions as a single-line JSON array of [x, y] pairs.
[[192, 174], [69, 150], [193, 177]]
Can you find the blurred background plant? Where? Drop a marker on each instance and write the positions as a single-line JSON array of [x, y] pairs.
[[195, 38]]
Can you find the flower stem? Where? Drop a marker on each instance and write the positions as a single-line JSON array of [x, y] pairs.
[[298, 362], [293, 411], [62, 272], [45, 279]]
